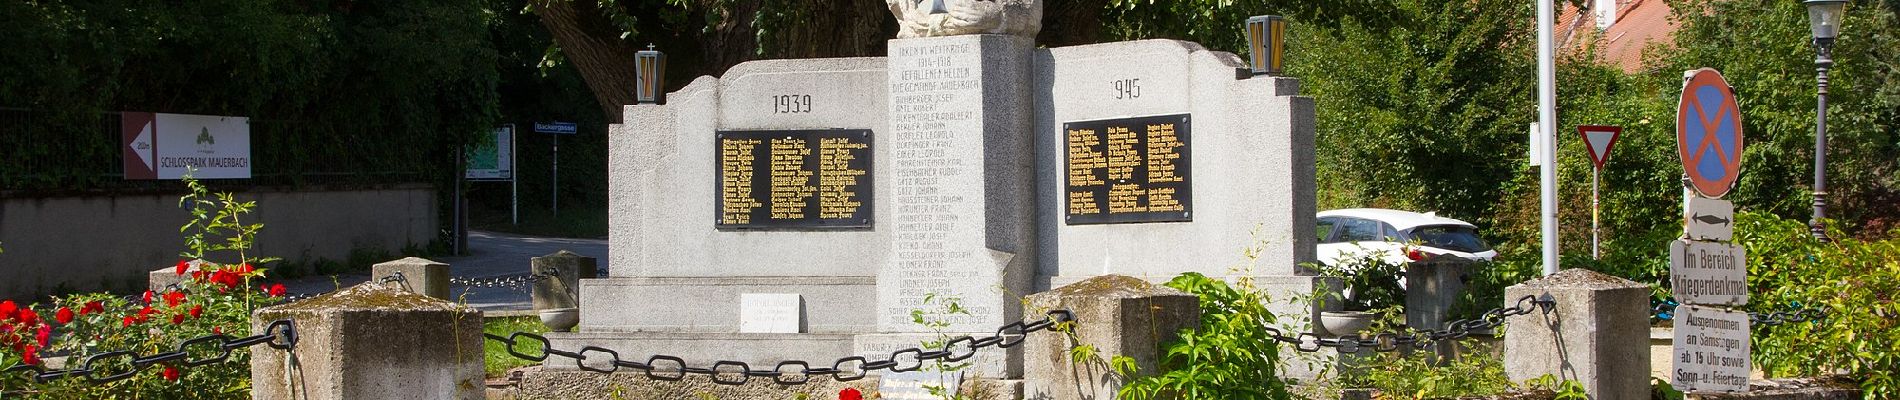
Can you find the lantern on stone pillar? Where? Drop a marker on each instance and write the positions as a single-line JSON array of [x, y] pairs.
[[649, 69], [1266, 43]]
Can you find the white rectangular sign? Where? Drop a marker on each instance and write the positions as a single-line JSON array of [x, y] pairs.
[[1708, 273], [494, 160], [164, 146], [1711, 350], [770, 312], [1708, 219]]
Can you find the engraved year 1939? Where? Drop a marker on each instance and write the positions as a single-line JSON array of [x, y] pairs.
[[1127, 88], [791, 103]]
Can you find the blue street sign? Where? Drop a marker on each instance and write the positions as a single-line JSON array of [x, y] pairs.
[[557, 127]]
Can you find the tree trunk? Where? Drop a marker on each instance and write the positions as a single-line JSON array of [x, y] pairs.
[[593, 45]]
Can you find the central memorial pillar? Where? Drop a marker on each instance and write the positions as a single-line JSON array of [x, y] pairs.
[[962, 160]]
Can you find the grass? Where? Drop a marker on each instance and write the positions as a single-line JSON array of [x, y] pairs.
[[495, 358]]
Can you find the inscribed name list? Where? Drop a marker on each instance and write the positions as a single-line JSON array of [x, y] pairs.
[[937, 156], [794, 179], [1128, 170]]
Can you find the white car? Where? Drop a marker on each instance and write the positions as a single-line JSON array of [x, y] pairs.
[[1356, 232]]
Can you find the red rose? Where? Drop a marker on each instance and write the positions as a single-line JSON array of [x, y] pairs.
[[148, 297], [173, 298], [170, 373], [277, 290], [245, 269], [45, 334], [850, 394], [217, 330], [64, 315], [30, 355], [28, 317], [196, 311], [92, 307], [182, 266], [7, 308], [1414, 254], [178, 319], [128, 321]]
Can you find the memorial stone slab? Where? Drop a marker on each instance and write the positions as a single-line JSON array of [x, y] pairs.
[[771, 313]]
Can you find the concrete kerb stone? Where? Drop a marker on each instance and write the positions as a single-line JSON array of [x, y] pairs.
[[160, 279], [421, 275], [1117, 315], [565, 271], [1597, 334], [371, 341]]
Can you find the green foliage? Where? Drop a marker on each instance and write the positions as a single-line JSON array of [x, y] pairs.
[[1854, 280], [937, 316], [217, 298], [1415, 376], [1371, 282], [496, 361], [1229, 356]]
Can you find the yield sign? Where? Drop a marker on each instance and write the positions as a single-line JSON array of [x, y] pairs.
[[1709, 133], [1599, 138]]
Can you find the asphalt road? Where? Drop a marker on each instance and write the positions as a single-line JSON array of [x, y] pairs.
[[492, 255]]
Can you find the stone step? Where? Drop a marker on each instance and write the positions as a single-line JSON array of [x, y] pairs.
[[702, 349], [711, 304]]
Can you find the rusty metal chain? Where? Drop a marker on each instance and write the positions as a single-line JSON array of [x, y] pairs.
[[280, 334], [793, 372], [1665, 310], [1393, 341]]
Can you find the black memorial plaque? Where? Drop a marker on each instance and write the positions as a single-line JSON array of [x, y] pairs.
[[1128, 170], [794, 179]]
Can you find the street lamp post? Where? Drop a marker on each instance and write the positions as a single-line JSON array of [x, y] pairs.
[[1824, 19]]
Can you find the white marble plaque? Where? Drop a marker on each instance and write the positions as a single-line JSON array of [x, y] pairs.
[[1711, 350], [771, 312]]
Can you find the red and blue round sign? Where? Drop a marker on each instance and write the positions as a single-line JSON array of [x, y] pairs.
[[1709, 133]]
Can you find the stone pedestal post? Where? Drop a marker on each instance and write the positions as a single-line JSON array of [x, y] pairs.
[[1431, 288], [564, 270], [372, 341], [1117, 315], [1597, 334], [422, 275]]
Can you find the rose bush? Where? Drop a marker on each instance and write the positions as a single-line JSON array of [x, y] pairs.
[[214, 299]]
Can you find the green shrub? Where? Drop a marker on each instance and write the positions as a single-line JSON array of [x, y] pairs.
[[1229, 356], [1855, 281]]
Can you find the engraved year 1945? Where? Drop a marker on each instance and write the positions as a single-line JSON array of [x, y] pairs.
[[1127, 88], [791, 103]]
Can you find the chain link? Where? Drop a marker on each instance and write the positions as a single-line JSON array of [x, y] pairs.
[[280, 334], [1665, 310], [791, 372], [1392, 341]]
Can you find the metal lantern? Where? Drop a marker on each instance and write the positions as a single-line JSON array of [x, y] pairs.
[[649, 69], [1824, 19], [1266, 43]]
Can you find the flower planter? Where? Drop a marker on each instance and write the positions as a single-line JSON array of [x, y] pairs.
[[1345, 323]]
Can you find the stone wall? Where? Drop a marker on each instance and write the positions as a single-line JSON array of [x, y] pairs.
[[55, 242]]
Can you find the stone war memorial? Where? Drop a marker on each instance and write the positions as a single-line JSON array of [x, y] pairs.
[[804, 209]]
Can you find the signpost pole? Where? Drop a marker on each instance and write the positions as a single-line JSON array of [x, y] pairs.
[[1595, 209], [557, 176], [1547, 123], [514, 180]]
